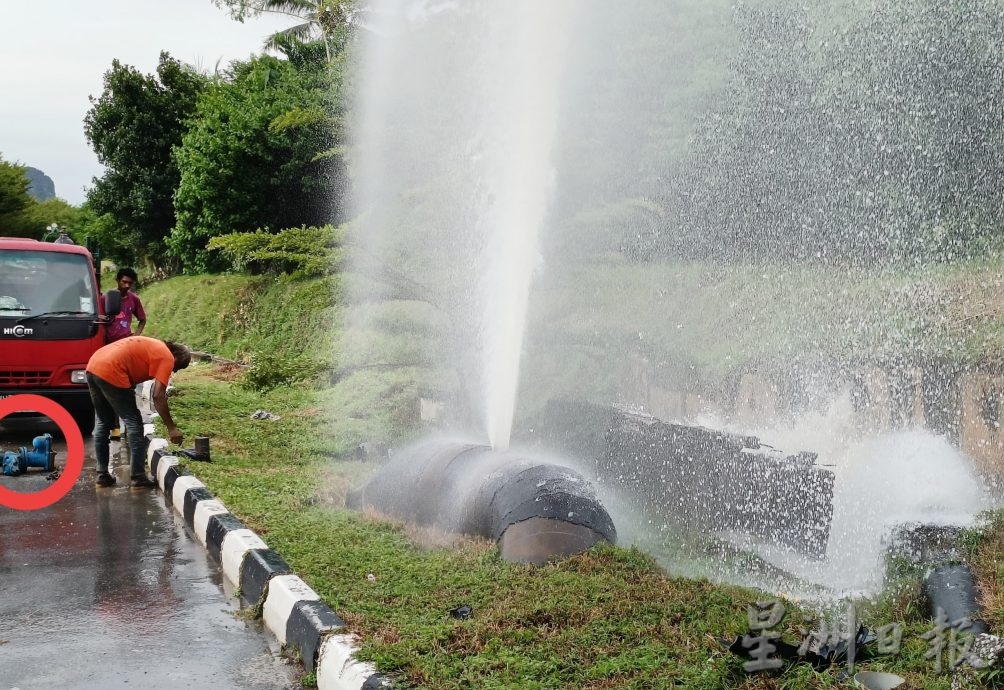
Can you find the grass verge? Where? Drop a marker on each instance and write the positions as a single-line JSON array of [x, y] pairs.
[[609, 618]]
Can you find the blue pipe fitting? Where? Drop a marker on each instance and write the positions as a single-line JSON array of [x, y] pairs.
[[40, 455]]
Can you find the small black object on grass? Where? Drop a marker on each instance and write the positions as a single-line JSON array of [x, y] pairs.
[[462, 612]]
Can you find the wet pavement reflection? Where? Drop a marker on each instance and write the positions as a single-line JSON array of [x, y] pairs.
[[106, 589]]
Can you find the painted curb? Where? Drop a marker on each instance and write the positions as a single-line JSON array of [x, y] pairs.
[[259, 566], [291, 611]]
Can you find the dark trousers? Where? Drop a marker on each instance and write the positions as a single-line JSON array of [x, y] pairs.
[[111, 401]]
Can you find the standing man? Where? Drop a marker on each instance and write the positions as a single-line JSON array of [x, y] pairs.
[[121, 325], [112, 373]]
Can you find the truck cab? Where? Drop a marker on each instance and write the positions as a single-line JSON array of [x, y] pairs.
[[51, 322]]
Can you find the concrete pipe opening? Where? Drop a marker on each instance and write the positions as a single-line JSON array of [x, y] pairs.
[[535, 511]]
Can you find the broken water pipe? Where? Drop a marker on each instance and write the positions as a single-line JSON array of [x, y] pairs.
[[535, 511]]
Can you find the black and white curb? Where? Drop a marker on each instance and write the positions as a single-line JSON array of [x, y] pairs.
[[290, 609]]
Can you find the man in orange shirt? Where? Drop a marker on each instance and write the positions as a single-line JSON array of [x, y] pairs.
[[112, 373]]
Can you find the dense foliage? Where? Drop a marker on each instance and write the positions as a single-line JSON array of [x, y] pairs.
[[250, 159], [13, 189], [269, 371], [300, 252], [189, 157], [133, 127], [34, 221]]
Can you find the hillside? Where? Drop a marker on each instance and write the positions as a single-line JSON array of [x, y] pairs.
[[236, 316]]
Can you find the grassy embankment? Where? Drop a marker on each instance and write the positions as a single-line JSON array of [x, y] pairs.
[[702, 323], [606, 619]]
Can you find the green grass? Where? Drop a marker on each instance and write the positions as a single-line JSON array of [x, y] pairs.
[[610, 618]]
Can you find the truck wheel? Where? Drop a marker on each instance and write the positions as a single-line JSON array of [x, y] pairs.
[[85, 420]]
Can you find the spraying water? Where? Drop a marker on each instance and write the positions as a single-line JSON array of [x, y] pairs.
[[901, 478], [482, 110], [517, 150], [637, 202], [882, 481]]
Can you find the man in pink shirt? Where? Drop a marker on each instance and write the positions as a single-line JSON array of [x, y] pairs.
[[121, 324]]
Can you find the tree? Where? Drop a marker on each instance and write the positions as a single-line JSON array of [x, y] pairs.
[[324, 20], [755, 164], [22, 216], [13, 188], [133, 127], [254, 158], [35, 218], [104, 233]]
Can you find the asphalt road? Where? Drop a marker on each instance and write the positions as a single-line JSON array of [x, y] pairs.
[[106, 589]]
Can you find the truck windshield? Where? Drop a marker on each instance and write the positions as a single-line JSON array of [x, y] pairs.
[[33, 282]]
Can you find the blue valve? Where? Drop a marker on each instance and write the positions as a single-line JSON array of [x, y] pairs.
[[40, 455]]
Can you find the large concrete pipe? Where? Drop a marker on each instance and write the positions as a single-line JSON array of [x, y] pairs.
[[700, 480], [534, 511]]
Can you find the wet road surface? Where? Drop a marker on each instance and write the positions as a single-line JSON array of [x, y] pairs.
[[106, 589]]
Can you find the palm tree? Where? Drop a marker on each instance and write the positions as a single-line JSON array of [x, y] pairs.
[[319, 19]]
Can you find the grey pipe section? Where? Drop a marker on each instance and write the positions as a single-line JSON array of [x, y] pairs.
[[535, 511], [952, 589]]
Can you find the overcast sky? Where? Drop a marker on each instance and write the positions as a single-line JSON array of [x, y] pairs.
[[53, 54]]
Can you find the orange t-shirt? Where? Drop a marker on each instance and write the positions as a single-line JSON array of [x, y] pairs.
[[132, 360]]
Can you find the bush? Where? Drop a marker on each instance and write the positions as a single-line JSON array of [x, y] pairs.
[[269, 371], [301, 252]]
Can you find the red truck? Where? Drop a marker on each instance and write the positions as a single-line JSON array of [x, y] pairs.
[[51, 322]]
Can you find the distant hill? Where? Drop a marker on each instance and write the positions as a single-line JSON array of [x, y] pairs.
[[42, 187]]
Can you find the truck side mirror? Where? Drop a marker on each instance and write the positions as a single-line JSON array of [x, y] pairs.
[[113, 302]]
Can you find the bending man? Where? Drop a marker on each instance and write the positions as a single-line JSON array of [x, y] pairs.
[[112, 373]]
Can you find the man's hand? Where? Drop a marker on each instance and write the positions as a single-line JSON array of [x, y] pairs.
[[159, 395]]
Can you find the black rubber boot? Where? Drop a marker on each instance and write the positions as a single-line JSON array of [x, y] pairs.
[[104, 479]]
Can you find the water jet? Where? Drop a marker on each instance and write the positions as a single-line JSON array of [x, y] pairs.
[[542, 220]]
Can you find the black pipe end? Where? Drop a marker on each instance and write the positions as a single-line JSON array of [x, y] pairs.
[[952, 589]]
